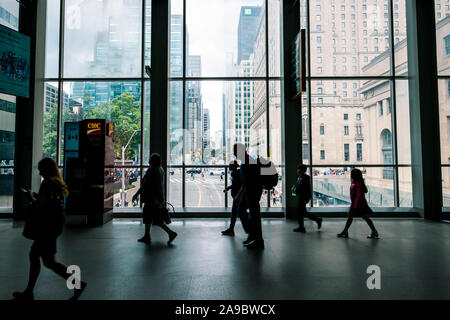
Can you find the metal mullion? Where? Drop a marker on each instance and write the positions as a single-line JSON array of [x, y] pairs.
[[183, 189], [331, 78], [105, 79], [143, 29], [342, 165], [60, 82], [266, 17], [309, 106], [226, 185], [225, 78], [201, 166], [394, 107]]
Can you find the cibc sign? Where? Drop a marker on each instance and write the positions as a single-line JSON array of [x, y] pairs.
[[94, 128]]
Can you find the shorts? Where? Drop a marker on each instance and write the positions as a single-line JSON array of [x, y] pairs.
[[44, 247]]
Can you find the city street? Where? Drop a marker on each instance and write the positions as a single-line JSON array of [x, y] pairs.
[[201, 192], [206, 191]]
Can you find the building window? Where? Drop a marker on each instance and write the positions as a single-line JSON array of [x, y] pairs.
[[345, 116], [386, 150], [322, 154], [346, 152], [305, 152], [448, 89], [345, 130], [380, 108], [448, 127], [358, 131], [322, 130], [447, 45], [359, 152], [358, 116]]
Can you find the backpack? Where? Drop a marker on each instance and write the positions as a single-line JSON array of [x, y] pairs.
[[268, 174]]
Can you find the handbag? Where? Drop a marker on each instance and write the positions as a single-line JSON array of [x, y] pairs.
[[165, 215]]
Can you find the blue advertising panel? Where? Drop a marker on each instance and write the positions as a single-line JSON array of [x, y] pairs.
[[71, 136], [14, 63]]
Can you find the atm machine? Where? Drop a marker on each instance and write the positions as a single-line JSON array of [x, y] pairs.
[[88, 171]]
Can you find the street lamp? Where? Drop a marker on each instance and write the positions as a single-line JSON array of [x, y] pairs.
[[123, 193]]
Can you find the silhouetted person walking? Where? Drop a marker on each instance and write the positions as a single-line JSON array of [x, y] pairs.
[[251, 189], [46, 225], [238, 207], [359, 206], [152, 193], [303, 193]]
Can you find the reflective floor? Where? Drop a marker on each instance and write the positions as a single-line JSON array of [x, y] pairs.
[[414, 257]]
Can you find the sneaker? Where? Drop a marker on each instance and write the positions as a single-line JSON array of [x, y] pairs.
[[256, 245], [23, 295], [145, 239], [247, 242], [77, 292], [228, 232], [172, 237], [342, 235], [373, 236], [300, 229], [319, 223]]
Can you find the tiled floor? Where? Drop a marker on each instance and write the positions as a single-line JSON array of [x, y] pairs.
[[414, 257]]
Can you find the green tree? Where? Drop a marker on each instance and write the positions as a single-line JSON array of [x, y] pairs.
[[125, 112], [50, 133]]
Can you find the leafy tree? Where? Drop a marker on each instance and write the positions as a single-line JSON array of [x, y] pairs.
[[123, 110], [50, 133]]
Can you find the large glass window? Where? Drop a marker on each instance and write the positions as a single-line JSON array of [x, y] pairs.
[[106, 46], [225, 87], [9, 17], [102, 39], [358, 102], [443, 62]]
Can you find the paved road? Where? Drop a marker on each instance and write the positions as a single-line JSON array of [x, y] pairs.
[[206, 191]]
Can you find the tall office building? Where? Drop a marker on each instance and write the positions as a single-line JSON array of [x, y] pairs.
[[176, 89], [206, 135], [240, 104], [194, 111], [248, 21], [115, 52]]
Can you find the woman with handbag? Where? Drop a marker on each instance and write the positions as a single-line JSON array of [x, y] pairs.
[[359, 206], [152, 193], [44, 226]]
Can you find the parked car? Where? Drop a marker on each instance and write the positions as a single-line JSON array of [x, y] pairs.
[[194, 170], [216, 172]]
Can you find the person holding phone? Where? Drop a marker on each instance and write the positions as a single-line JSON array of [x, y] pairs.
[[47, 225]]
